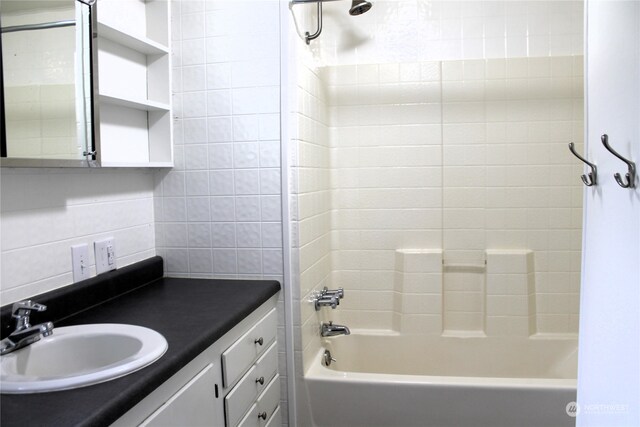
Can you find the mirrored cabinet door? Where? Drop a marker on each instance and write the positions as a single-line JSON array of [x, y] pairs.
[[47, 83]]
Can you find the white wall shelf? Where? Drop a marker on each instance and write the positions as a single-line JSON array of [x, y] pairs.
[[134, 83], [144, 105], [140, 44]]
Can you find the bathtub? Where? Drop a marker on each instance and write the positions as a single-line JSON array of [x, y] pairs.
[[404, 380]]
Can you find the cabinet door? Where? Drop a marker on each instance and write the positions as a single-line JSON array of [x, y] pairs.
[[194, 404]]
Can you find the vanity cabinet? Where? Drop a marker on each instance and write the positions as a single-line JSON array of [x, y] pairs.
[[234, 382], [134, 126], [191, 405], [257, 345]]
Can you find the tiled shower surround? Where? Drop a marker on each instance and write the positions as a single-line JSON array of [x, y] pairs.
[[445, 199]]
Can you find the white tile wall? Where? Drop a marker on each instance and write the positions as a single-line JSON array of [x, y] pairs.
[[425, 152], [218, 212], [471, 159], [46, 211], [415, 30], [219, 208], [310, 177]]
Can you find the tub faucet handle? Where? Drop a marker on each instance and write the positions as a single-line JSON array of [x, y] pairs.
[[335, 292], [325, 301]]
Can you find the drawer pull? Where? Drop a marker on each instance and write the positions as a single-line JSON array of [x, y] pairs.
[[260, 380], [259, 341], [263, 415]]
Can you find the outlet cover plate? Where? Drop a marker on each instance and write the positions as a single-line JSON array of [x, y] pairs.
[[105, 251]]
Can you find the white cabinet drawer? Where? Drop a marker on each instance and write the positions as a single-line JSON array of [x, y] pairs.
[[251, 385], [194, 404], [237, 358], [275, 420], [266, 408], [252, 419], [270, 398], [267, 366]]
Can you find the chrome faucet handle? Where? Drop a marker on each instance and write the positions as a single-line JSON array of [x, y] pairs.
[[336, 292], [21, 311], [26, 306], [325, 301]]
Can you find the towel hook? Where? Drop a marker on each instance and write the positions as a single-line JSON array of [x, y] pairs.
[[592, 178], [630, 176]]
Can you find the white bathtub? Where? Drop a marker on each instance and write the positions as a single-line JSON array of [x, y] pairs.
[[402, 381]]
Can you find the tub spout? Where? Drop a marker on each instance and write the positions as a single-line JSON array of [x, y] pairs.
[[331, 330]]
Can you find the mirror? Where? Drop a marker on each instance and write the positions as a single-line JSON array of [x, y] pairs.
[[47, 105]]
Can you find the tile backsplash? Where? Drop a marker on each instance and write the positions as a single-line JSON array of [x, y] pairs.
[[46, 211], [218, 212]]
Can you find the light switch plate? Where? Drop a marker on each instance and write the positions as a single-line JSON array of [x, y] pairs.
[[80, 262], [105, 251]]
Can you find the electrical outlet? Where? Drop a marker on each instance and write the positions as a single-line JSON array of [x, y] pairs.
[[80, 262], [105, 255]]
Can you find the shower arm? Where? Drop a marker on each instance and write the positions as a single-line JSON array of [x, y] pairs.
[[308, 37]]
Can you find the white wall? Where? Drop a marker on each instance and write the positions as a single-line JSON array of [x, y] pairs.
[[609, 344], [44, 212]]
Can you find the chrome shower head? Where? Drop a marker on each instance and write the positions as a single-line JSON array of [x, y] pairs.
[[358, 7]]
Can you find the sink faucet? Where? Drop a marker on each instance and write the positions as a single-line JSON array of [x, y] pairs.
[[25, 334], [331, 330]]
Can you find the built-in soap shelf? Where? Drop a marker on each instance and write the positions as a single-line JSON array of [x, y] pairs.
[[140, 44], [492, 295]]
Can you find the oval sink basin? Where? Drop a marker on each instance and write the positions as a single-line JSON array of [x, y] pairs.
[[78, 356]]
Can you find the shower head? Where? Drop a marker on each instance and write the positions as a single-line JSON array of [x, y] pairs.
[[358, 7]]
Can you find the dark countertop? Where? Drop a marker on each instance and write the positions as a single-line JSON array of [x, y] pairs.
[[190, 313]]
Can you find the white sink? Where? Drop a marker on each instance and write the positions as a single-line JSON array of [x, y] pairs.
[[78, 356]]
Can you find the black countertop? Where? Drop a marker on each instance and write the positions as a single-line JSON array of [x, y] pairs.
[[190, 313]]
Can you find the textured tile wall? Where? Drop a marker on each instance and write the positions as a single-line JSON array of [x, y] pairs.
[[219, 210], [44, 212]]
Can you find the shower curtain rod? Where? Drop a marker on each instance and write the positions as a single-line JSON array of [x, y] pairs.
[[43, 26]]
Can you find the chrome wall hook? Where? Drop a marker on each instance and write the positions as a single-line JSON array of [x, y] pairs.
[[630, 176], [592, 178]]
